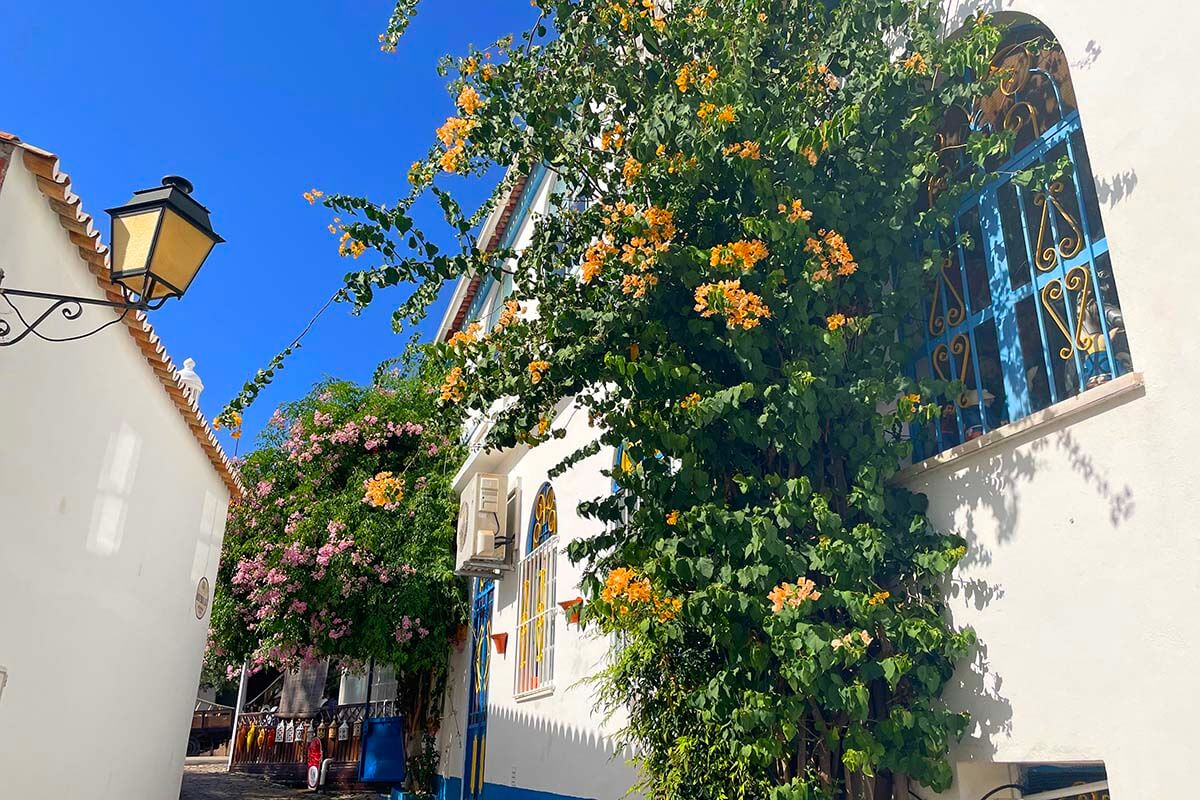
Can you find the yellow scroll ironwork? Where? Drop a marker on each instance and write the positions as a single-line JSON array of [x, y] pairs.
[[956, 312], [1077, 280], [1069, 245]]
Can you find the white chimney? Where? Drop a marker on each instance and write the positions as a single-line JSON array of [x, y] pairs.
[[189, 378]]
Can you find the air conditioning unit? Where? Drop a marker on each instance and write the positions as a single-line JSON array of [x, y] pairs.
[[483, 540]]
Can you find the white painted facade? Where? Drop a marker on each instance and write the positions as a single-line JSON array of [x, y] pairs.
[[551, 741], [1084, 557], [110, 515]]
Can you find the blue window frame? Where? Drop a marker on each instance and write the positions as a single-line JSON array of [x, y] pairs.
[[475, 750], [1024, 310]]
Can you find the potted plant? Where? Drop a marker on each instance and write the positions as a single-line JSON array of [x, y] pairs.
[[422, 773]]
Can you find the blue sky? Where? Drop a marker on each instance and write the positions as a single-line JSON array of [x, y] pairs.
[[255, 103]]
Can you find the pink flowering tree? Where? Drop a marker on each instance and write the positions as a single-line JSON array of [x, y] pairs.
[[342, 547]]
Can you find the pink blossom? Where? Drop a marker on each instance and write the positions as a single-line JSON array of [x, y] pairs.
[[264, 488], [347, 434], [335, 527], [294, 555], [298, 607]]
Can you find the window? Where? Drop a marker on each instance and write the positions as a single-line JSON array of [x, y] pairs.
[[536, 583], [1024, 311]]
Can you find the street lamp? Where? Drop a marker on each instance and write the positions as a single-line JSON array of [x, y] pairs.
[[160, 239]]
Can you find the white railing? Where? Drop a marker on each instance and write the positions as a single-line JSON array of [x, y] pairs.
[[535, 629]]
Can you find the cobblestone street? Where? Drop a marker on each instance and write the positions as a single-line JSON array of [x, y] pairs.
[[210, 781]]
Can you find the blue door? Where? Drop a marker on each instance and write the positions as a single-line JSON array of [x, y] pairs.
[[476, 745]]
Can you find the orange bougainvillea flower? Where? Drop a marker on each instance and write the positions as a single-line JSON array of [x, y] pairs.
[[741, 309], [312, 195], [833, 253], [613, 139], [508, 314], [795, 211], [631, 170], [916, 63], [471, 334], [835, 321], [793, 594], [630, 594], [469, 100], [453, 136], [673, 518], [743, 254], [537, 369], [594, 258], [683, 80], [452, 387], [747, 149], [384, 491], [637, 285], [661, 225]]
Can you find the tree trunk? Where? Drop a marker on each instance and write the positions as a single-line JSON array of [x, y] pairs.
[[883, 785]]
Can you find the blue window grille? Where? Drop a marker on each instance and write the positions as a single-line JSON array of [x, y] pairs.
[[1024, 309]]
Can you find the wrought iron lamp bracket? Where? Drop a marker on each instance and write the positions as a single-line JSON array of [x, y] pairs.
[[71, 308]]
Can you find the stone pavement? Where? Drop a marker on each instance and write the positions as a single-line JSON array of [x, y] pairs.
[[205, 779]]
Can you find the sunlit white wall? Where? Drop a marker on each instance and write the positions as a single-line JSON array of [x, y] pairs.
[[1084, 556], [110, 514], [559, 742]]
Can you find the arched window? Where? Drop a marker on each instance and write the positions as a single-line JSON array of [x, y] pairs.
[[536, 582], [1024, 311]]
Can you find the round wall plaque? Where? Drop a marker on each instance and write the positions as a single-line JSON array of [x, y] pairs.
[[201, 598]]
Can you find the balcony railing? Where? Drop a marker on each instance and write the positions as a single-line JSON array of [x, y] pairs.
[[265, 743]]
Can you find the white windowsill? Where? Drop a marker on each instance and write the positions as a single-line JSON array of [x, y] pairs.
[[1071, 407], [534, 694]]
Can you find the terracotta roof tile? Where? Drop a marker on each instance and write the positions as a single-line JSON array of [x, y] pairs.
[[510, 204], [56, 186]]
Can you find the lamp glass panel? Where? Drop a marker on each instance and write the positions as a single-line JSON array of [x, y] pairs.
[[133, 234], [180, 251]]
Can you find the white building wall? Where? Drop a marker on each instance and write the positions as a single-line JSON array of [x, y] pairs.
[[557, 743], [110, 514], [1084, 556]]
